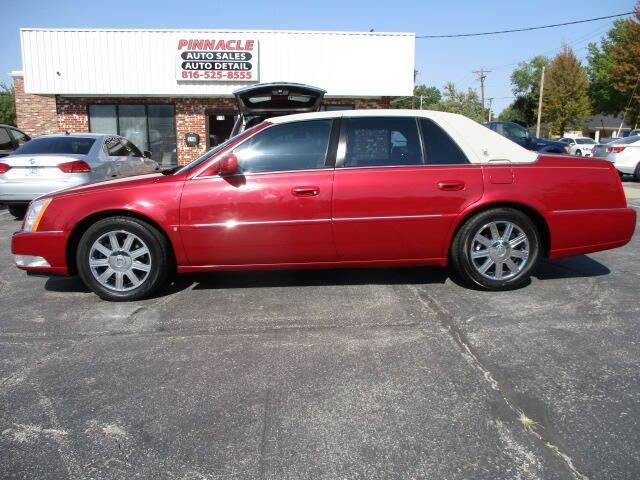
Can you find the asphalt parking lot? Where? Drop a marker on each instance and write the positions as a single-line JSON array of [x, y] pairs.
[[343, 374]]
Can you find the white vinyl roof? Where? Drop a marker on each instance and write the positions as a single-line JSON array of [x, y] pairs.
[[480, 144]]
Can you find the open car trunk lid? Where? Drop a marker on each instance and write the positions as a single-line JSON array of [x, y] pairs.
[[272, 99]]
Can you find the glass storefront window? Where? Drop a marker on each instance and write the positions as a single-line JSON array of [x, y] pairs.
[[149, 127], [103, 119], [162, 133]]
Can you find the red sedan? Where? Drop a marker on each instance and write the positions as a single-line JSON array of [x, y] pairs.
[[334, 189]]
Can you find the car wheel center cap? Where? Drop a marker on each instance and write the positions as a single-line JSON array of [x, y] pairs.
[[499, 251], [120, 261]]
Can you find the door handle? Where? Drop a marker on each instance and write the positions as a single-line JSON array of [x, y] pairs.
[[451, 185], [306, 191]]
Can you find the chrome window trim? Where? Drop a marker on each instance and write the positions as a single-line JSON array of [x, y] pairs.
[[251, 174]]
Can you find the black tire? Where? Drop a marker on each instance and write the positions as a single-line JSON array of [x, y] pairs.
[[579, 153], [636, 173], [462, 245], [159, 257], [18, 211]]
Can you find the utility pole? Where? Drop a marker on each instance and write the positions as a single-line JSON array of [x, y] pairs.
[[540, 105], [420, 102], [482, 75], [490, 106]]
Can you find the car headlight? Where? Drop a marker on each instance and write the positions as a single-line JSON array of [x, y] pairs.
[[34, 214]]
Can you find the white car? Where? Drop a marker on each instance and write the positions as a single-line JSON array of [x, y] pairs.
[[624, 153], [580, 146]]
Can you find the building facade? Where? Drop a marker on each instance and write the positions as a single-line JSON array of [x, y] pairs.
[[156, 86]]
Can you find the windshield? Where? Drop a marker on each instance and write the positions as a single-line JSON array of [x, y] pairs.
[[585, 141], [208, 154], [56, 146]]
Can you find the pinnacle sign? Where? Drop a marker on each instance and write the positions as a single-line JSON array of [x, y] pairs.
[[217, 60]]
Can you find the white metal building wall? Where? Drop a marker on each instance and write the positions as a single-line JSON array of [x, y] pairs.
[[142, 62]]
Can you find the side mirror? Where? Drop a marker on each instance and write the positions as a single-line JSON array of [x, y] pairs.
[[228, 165], [146, 154]]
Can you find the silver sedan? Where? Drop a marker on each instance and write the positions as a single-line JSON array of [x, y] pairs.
[[54, 162]]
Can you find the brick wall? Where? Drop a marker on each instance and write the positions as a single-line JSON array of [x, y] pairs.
[[35, 114], [70, 114]]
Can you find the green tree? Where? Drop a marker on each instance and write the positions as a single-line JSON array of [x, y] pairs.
[[7, 105], [525, 82], [430, 98], [465, 103], [625, 73], [600, 65], [566, 100]]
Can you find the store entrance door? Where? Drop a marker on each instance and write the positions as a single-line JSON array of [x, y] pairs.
[[220, 125]]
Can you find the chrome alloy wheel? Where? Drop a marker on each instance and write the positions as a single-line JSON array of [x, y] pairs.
[[499, 250], [120, 261]]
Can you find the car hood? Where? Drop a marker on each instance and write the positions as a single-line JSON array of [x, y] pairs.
[[118, 183]]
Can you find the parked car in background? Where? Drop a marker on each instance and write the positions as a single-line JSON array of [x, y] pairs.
[[624, 153], [54, 162], [580, 146], [520, 135], [334, 189], [257, 103], [634, 132], [10, 139]]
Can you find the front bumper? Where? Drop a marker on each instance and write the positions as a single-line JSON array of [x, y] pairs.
[[49, 246]]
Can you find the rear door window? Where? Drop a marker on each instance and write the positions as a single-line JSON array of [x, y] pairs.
[[19, 137], [57, 146], [382, 142], [439, 147], [114, 147], [6, 143]]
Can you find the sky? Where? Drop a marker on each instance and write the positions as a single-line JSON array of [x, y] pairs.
[[437, 60]]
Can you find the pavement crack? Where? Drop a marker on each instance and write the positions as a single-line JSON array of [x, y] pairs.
[[509, 397]]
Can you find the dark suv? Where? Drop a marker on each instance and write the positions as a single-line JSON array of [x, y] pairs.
[[10, 139], [520, 135]]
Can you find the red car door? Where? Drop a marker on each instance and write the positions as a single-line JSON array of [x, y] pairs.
[[276, 209], [395, 197]]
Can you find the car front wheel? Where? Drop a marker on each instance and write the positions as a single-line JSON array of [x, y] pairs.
[[122, 259], [636, 173], [496, 249], [579, 153]]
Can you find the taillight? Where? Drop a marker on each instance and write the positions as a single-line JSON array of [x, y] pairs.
[[77, 166], [615, 149], [4, 168]]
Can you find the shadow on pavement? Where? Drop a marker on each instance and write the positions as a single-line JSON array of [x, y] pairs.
[[575, 267]]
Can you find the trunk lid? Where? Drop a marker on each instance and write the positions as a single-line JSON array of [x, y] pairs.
[[271, 99], [36, 167]]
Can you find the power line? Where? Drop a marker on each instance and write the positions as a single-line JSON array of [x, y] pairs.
[[527, 29]]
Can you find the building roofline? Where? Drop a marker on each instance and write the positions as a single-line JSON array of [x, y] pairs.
[[220, 30]]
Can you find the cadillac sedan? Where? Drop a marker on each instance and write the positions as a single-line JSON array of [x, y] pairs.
[[334, 189], [54, 162]]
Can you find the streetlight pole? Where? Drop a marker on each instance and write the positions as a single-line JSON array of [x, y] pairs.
[[540, 104]]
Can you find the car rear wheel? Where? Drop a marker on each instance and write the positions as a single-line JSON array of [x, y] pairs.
[[18, 211], [123, 259], [496, 249]]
